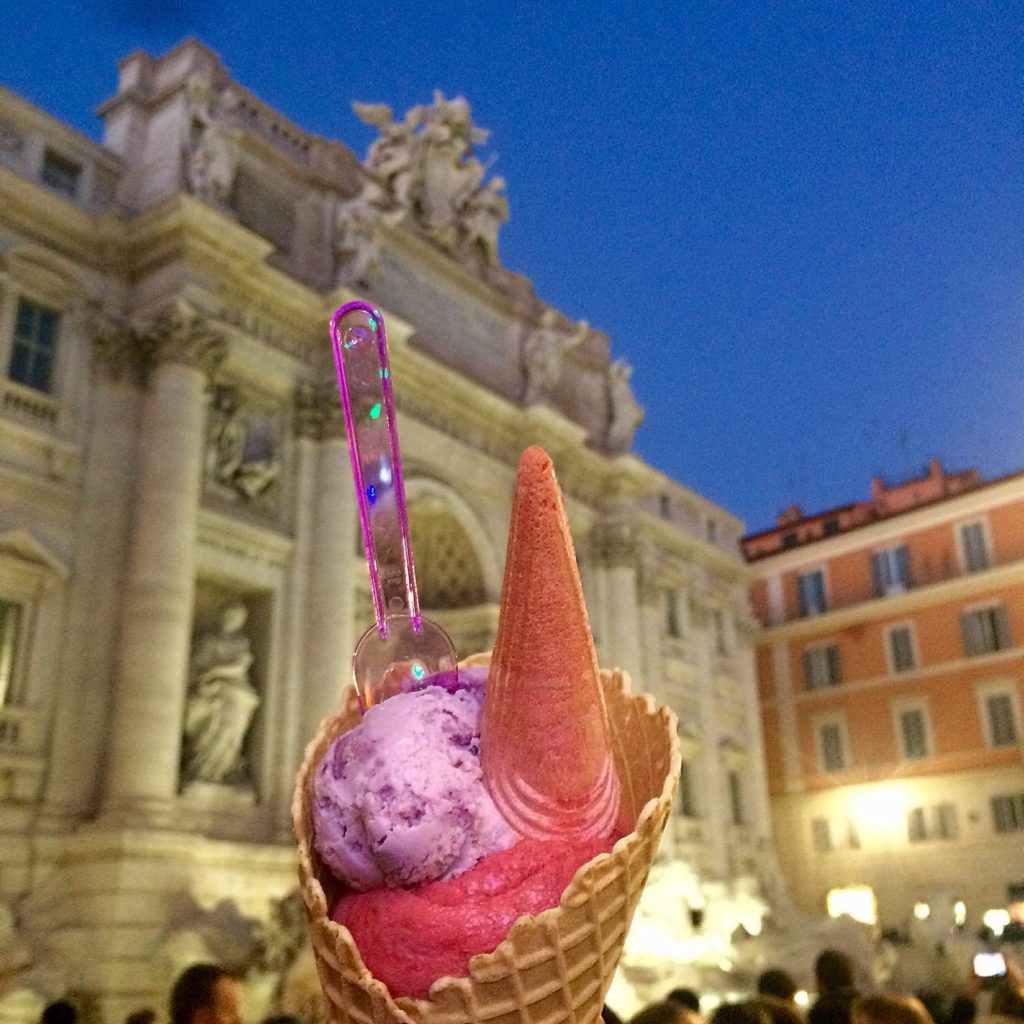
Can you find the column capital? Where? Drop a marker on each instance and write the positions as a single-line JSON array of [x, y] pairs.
[[179, 333], [616, 543], [117, 352], [318, 414]]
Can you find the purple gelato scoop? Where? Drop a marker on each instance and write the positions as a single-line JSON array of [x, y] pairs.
[[400, 800]]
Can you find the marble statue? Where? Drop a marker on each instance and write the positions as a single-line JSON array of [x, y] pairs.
[[356, 240], [221, 702], [544, 352], [486, 211], [427, 165], [229, 460], [625, 412], [212, 159]]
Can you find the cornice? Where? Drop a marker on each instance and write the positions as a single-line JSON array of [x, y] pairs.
[[243, 538], [24, 113], [897, 527], [886, 608], [93, 240]]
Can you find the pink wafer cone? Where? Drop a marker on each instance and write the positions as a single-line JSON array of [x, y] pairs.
[[546, 746]]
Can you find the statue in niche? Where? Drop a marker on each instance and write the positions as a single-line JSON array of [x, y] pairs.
[[236, 458], [544, 352], [626, 413], [212, 159], [220, 703]]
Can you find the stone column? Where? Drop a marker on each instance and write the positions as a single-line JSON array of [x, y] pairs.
[[80, 717], [651, 619], [156, 619], [332, 565]]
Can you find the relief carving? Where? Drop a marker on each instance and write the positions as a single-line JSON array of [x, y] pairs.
[[241, 450]]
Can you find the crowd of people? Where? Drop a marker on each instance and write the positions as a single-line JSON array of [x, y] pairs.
[[838, 1001], [208, 994]]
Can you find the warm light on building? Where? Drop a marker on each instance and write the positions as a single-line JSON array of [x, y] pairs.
[[922, 911], [882, 809], [802, 998], [959, 913], [856, 901], [996, 920]]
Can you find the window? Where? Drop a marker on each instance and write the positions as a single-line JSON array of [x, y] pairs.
[[1008, 812], [935, 822], [822, 666], [60, 174], [687, 805], [890, 570], [712, 531], [789, 540], [832, 747], [985, 630], [913, 733], [829, 834], [973, 548], [673, 627], [1000, 719], [811, 592], [35, 337], [830, 527], [901, 649], [11, 614], [736, 808]]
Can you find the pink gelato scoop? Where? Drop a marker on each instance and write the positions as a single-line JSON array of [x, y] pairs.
[[401, 800]]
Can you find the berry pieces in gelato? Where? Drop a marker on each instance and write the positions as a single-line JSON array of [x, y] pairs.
[[400, 800], [410, 938]]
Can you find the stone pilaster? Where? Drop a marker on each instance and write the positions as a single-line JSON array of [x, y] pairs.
[[620, 556], [156, 617], [331, 566]]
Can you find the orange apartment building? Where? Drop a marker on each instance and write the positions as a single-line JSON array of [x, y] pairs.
[[891, 671]]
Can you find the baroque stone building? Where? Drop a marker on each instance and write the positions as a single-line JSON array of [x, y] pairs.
[[181, 579]]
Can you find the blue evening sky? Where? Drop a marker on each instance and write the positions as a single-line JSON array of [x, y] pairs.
[[802, 223]]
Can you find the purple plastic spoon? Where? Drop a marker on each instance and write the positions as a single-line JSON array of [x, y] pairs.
[[402, 648]]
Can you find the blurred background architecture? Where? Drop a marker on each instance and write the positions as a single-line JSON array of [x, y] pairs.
[[181, 579], [891, 675]]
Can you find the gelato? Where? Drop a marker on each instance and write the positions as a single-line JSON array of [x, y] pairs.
[[400, 800]]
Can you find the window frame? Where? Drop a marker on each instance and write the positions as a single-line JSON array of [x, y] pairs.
[[1015, 803], [899, 709], [889, 557], [826, 597], [977, 609], [982, 523], [838, 722], [53, 158], [806, 656], [1002, 688], [915, 653]]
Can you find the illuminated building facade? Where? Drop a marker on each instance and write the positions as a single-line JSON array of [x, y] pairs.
[[891, 671], [181, 577]]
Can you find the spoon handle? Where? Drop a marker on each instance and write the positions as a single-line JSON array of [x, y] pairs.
[[360, 348]]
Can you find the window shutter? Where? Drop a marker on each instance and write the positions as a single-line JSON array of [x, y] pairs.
[[970, 625], [903, 561], [1002, 627], [809, 670], [835, 666], [877, 579]]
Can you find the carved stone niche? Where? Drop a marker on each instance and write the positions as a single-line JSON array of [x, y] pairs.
[[244, 450]]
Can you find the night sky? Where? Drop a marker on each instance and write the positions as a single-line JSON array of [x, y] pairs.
[[803, 225]]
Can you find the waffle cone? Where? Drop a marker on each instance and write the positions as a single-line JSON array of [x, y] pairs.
[[554, 967]]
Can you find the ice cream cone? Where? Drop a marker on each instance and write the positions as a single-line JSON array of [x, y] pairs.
[[554, 968], [545, 740]]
